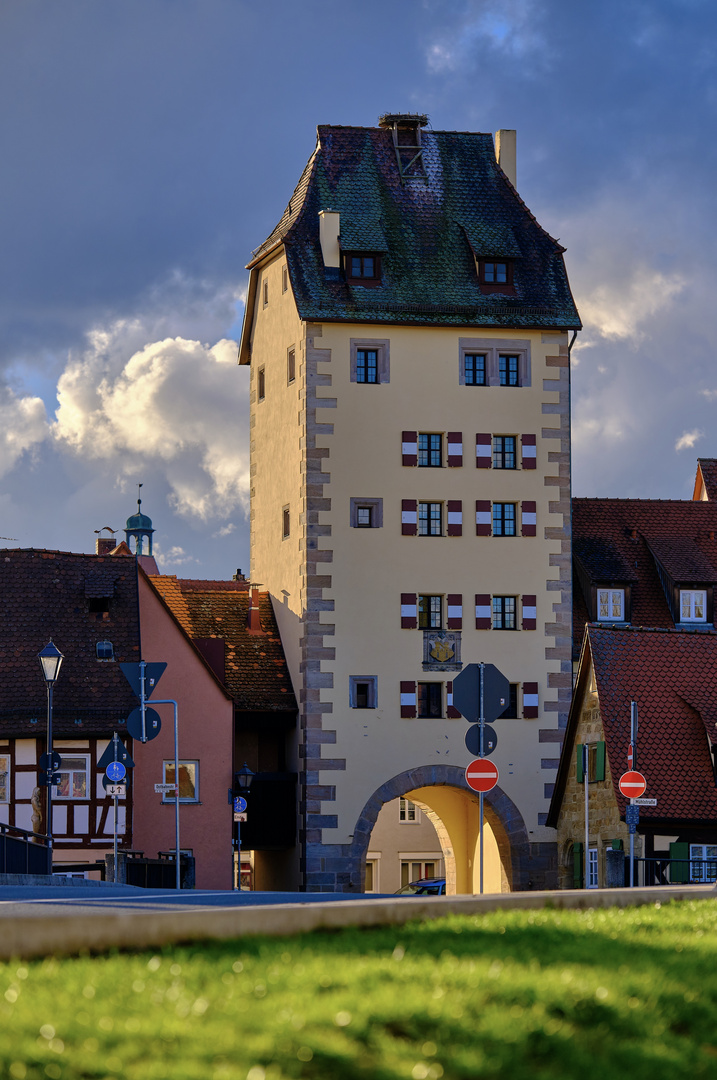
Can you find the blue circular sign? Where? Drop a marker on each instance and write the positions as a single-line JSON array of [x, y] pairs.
[[239, 805], [116, 771]]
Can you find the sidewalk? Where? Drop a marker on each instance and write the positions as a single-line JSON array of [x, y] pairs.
[[62, 927]]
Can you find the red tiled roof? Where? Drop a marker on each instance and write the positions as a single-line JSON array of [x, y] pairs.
[[43, 595], [255, 670], [672, 675], [624, 530]]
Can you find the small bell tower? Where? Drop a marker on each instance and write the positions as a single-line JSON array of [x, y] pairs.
[[140, 527]]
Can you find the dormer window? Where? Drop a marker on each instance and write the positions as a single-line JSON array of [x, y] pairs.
[[693, 605], [611, 605], [496, 276], [363, 268], [105, 650]]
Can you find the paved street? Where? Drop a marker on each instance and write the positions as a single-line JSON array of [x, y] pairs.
[[44, 900]]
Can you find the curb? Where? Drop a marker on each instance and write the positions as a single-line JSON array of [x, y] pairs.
[[27, 936]]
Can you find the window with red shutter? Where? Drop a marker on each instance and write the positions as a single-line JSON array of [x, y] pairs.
[[484, 519], [529, 451], [454, 604], [409, 611], [454, 440], [408, 699], [409, 517], [528, 518], [483, 611], [454, 525], [529, 612], [484, 451], [409, 448]]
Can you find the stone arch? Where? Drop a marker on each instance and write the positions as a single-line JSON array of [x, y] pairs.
[[498, 807]]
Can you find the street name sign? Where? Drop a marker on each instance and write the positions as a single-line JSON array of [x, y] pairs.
[[165, 789], [645, 802], [482, 775]]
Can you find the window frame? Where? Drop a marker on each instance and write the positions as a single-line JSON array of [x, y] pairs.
[[489, 284], [383, 358], [499, 610], [265, 292], [68, 755], [429, 450], [371, 683], [430, 518], [284, 278], [611, 593], [509, 369], [705, 875], [592, 875], [375, 506], [499, 453], [433, 700], [108, 647], [405, 809], [501, 520], [492, 348], [473, 381], [168, 763], [362, 278], [5, 776], [692, 620], [286, 521], [290, 365], [422, 625], [261, 383]]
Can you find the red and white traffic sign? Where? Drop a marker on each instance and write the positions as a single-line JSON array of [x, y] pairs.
[[482, 775], [632, 784]]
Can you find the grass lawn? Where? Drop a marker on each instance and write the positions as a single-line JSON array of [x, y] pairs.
[[525, 995]]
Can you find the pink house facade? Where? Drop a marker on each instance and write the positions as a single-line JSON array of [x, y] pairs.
[[206, 733]]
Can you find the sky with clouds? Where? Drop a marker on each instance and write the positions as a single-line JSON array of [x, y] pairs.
[[149, 145]]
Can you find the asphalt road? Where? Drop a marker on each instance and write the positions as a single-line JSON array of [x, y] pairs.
[[43, 900]]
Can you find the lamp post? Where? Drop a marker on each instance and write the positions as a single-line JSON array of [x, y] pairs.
[[50, 661], [242, 781]]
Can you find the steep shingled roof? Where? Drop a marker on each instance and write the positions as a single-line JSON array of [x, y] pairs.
[[45, 594], [428, 229], [255, 671], [672, 675], [682, 532]]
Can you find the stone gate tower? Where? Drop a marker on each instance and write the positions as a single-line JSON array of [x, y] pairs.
[[408, 325]]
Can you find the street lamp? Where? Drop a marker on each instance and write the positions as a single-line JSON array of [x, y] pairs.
[[242, 781], [50, 661]]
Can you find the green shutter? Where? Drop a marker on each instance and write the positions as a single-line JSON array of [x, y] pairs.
[[680, 871], [579, 772], [600, 761], [616, 845], [577, 865]]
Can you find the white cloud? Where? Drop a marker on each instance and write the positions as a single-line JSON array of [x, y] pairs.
[[709, 394], [176, 556], [23, 427], [226, 530], [617, 310], [688, 439], [174, 404]]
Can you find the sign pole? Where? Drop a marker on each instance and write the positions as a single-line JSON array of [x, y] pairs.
[[480, 799], [116, 800], [632, 856], [586, 780]]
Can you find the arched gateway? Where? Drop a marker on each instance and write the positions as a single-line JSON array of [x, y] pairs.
[[501, 814]]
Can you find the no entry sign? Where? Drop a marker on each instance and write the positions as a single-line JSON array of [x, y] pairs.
[[632, 784], [482, 775]]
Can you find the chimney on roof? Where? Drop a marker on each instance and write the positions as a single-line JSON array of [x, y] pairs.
[[505, 153], [105, 545], [329, 227], [253, 622], [238, 576]]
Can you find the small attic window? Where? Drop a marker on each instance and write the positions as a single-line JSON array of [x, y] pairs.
[[496, 276], [363, 268], [105, 650], [98, 604]]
